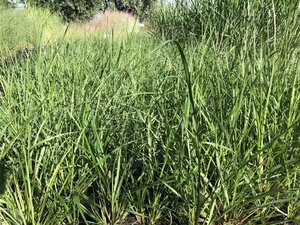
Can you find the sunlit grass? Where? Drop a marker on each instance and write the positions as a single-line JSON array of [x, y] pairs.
[[97, 130], [26, 28], [32, 27]]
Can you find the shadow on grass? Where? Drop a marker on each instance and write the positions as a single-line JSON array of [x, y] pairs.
[[20, 56], [3, 176]]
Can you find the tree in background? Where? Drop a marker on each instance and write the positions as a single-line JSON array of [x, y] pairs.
[[134, 6], [70, 10], [5, 4], [80, 10]]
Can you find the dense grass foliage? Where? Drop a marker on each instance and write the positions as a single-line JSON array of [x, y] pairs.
[[23, 28], [5, 5], [106, 131], [222, 20]]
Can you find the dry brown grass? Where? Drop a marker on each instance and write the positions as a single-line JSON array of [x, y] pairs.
[[119, 23]]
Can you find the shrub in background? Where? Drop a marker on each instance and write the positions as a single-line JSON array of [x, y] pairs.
[[82, 10], [5, 4], [71, 10], [133, 6]]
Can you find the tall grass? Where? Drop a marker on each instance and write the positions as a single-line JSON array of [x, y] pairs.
[[28, 27], [104, 131], [222, 20]]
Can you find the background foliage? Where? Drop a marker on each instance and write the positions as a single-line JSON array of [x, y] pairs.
[[5, 4], [80, 10], [71, 10]]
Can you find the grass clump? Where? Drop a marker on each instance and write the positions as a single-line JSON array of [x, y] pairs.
[[25, 28], [114, 131], [221, 20]]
